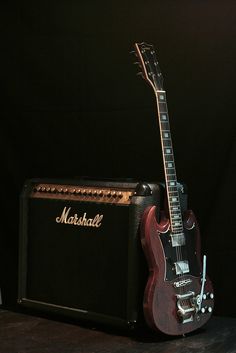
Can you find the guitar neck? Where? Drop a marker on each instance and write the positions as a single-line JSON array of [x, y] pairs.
[[169, 164]]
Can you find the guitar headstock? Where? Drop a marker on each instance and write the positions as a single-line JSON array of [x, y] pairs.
[[148, 62]]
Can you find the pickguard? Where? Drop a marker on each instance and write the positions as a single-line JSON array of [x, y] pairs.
[[186, 252]]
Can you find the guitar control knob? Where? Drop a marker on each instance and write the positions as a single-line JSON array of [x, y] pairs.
[[209, 309], [204, 296], [211, 295], [203, 310]]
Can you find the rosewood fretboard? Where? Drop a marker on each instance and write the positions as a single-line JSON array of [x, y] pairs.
[[169, 164]]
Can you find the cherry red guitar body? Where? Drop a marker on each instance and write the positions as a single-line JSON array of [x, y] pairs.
[[171, 301]]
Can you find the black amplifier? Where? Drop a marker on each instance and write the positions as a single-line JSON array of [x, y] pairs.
[[80, 252]]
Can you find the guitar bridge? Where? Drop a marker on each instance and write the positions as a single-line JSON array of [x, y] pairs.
[[186, 306], [181, 267]]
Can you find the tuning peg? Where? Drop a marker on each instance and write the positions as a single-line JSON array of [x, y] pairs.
[[138, 63], [140, 74], [133, 52]]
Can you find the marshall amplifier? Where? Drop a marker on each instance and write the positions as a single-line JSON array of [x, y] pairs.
[[80, 252]]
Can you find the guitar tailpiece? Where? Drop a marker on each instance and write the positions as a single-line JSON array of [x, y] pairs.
[[186, 312]]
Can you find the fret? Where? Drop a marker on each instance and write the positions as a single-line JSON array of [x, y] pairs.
[[176, 224], [170, 177], [173, 190], [164, 126], [170, 172], [162, 107], [169, 158], [177, 230], [175, 213], [167, 143], [174, 205]]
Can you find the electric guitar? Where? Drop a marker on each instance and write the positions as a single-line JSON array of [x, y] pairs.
[[178, 296]]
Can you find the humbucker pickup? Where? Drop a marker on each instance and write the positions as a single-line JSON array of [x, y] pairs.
[[181, 267], [177, 239]]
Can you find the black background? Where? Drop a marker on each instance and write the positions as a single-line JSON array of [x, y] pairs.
[[72, 105]]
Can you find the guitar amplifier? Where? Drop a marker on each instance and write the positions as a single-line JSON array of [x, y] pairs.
[[80, 254]]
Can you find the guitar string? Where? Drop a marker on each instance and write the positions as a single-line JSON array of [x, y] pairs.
[[179, 256], [180, 230]]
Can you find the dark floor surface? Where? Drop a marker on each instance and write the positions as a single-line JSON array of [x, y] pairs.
[[21, 333]]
